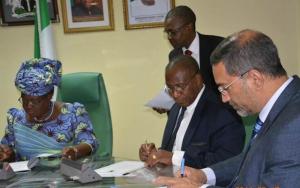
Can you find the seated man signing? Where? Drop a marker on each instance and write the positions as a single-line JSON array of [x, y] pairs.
[[44, 126], [199, 128]]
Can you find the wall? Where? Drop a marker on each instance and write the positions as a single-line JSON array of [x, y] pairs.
[[132, 62]]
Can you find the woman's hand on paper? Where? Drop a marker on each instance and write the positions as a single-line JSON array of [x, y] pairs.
[[70, 153]]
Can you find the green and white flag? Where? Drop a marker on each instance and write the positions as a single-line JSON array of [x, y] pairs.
[[43, 37]]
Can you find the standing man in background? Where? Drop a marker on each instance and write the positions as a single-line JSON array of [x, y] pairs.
[[181, 31], [180, 27]]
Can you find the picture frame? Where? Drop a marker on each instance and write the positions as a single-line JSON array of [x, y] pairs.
[[18, 12], [140, 14], [81, 17]]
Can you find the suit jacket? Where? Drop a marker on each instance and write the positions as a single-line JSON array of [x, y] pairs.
[[214, 133], [273, 159], [207, 44]]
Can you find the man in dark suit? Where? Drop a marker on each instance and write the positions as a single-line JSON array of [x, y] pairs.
[[207, 133], [180, 27], [247, 68]]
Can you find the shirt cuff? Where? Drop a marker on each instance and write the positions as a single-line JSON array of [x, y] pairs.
[[210, 176], [177, 157], [204, 186]]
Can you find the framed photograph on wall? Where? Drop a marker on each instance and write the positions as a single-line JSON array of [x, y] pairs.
[[21, 12], [87, 15], [139, 14]]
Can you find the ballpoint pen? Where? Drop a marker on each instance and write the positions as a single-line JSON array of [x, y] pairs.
[[146, 144], [182, 168]]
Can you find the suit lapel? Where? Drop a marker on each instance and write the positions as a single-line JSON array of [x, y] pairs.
[[280, 104], [195, 121], [203, 53]]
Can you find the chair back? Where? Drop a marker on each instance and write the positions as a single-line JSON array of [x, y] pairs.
[[88, 88]]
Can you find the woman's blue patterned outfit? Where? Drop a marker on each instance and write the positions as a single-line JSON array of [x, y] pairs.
[[71, 127]]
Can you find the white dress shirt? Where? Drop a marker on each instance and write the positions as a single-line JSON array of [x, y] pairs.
[[211, 177], [194, 47], [188, 114]]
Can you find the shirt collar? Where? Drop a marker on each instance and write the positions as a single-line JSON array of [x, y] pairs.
[[194, 47], [267, 108], [192, 106]]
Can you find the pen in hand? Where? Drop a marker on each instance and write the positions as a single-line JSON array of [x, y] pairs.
[[182, 168], [146, 145]]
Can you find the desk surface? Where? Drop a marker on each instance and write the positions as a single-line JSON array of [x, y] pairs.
[[51, 177]]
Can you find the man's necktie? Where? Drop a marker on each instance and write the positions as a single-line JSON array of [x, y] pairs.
[[188, 52], [256, 128], [258, 125], [177, 125]]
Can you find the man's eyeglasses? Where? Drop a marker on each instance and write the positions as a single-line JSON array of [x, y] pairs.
[[34, 102], [224, 89], [174, 32], [179, 88]]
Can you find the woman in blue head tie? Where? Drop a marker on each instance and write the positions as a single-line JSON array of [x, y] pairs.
[[44, 126]]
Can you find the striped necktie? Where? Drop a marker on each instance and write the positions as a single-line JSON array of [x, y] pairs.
[[256, 128]]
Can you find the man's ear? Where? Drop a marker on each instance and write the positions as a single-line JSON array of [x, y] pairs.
[[190, 26], [199, 78], [257, 78]]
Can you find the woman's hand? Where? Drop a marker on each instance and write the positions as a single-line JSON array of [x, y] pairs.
[[76, 152], [70, 153], [6, 153]]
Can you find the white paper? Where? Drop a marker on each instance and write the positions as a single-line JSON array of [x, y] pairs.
[[19, 166], [45, 155], [161, 100], [120, 169]]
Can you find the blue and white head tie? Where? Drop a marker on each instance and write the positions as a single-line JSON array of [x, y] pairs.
[[37, 77]]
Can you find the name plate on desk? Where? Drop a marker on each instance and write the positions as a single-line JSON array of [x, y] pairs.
[[6, 171], [78, 171]]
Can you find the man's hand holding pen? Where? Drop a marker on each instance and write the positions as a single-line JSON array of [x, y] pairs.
[[159, 157], [151, 156], [192, 178], [145, 150]]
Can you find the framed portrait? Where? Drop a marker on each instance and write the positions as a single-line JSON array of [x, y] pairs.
[[21, 12], [87, 15], [139, 14]]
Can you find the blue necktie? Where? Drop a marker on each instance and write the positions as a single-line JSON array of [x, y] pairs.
[[256, 128], [258, 125]]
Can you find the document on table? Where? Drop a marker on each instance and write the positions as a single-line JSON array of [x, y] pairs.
[[23, 165], [161, 100], [19, 166], [120, 169]]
